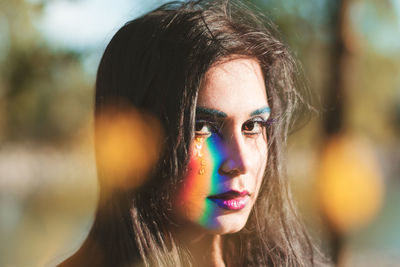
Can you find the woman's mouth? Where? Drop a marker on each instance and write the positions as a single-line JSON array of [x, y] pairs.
[[231, 200]]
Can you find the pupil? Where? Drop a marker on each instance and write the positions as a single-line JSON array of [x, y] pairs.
[[248, 126], [199, 126]]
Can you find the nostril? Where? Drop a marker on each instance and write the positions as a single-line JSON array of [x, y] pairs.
[[230, 168]]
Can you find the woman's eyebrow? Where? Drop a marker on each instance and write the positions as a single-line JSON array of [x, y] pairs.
[[210, 112], [259, 111]]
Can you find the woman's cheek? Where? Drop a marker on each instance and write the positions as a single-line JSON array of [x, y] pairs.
[[192, 195]]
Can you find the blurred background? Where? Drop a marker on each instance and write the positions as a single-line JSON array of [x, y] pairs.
[[343, 166]]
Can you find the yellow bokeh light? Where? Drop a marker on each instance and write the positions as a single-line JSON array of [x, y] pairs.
[[128, 144], [350, 187]]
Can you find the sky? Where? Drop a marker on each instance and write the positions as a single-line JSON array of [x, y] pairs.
[[88, 24]]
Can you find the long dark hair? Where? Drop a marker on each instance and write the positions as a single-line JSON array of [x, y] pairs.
[[157, 63]]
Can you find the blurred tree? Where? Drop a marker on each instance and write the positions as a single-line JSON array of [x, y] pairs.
[[44, 94]]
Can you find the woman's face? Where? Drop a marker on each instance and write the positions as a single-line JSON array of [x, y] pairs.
[[229, 152]]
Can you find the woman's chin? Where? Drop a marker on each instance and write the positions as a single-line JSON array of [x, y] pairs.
[[225, 224]]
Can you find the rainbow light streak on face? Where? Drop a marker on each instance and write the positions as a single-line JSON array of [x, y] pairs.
[[192, 198], [215, 157]]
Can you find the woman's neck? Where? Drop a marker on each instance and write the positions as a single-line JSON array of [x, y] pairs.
[[207, 250]]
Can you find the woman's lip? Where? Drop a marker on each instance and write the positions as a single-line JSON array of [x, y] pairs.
[[231, 200], [237, 203], [231, 194]]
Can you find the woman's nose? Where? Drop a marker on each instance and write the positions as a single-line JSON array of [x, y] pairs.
[[237, 159]]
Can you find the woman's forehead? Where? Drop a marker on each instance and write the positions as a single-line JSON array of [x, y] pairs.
[[233, 86]]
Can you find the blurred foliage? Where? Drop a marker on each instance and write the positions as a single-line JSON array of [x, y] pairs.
[[44, 93], [371, 31]]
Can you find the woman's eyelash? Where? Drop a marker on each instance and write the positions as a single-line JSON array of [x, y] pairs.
[[259, 120], [270, 121], [253, 126], [205, 127]]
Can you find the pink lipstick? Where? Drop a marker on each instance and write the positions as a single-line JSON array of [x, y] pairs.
[[231, 200]]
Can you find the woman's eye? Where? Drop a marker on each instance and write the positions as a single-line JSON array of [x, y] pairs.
[[253, 127], [203, 128]]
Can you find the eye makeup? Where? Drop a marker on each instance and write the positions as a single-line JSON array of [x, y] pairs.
[[254, 126], [202, 111], [205, 127], [210, 121], [263, 110], [216, 114]]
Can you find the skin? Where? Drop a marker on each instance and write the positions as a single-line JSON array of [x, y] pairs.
[[233, 156]]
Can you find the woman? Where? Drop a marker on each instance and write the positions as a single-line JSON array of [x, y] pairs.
[[222, 86]]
